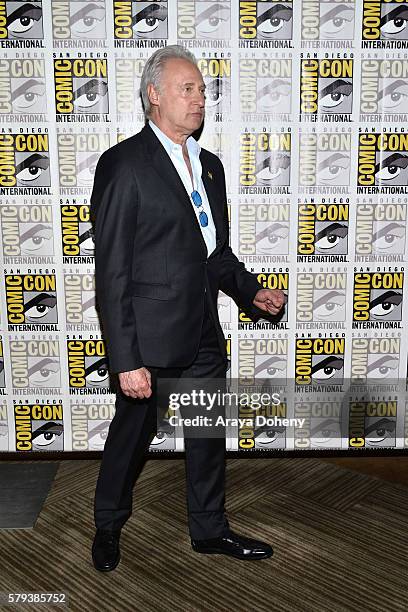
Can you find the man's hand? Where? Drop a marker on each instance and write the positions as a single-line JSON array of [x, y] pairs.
[[270, 300], [136, 383]]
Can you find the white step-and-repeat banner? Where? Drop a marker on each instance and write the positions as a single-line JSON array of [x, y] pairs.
[[307, 107]]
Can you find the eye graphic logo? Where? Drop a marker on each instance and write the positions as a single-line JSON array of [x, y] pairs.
[[31, 299], [78, 155], [323, 230], [217, 78], [264, 162], [80, 301], [77, 233], [23, 87], [378, 297], [382, 161], [324, 161], [90, 424], [21, 20], [206, 20], [326, 86], [74, 19], [88, 365], [265, 20], [319, 361], [261, 360], [321, 297], [143, 20], [384, 21], [380, 231], [35, 365], [375, 359], [327, 20], [373, 424], [323, 422], [265, 86], [384, 88], [28, 161], [27, 231], [264, 229], [39, 427], [81, 86]]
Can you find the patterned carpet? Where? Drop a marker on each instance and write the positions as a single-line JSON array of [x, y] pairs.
[[340, 540]]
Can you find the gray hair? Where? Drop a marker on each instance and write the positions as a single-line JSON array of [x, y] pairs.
[[153, 69]]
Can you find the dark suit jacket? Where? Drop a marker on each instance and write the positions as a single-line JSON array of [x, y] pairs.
[[151, 264]]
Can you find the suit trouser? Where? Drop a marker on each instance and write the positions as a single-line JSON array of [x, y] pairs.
[[130, 433]]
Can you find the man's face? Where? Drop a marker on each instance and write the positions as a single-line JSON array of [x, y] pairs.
[[180, 101]]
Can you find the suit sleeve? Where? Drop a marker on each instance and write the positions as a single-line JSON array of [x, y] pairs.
[[235, 280], [114, 202]]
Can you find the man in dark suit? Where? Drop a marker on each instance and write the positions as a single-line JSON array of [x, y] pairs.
[[162, 252]]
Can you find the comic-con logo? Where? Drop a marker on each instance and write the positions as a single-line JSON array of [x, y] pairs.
[[39, 427], [384, 24], [264, 232], [75, 20], [27, 233], [377, 299], [81, 88], [327, 21], [375, 359], [382, 163], [265, 87], [262, 360], [321, 298], [384, 90], [264, 163], [140, 20], [319, 361], [80, 310], [326, 89], [128, 72], [323, 422], [78, 155], [270, 426], [205, 22], [25, 167], [322, 232], [217, 78], [90, 425], [269, 280], [78, 243], [324, 162], [31, 301], [87, 366], [372, 423], [265, 23], [35, 366], [380, 231], [23, 89], [21, 23]]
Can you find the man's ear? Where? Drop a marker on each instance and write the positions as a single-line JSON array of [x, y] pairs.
[[153, 94]]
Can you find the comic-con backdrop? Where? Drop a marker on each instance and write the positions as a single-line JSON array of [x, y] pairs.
[[307, 106]]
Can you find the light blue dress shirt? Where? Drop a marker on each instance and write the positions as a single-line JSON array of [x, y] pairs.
[[175, 153]]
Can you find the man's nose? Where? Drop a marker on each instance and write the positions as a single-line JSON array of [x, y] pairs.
[[199, 98]]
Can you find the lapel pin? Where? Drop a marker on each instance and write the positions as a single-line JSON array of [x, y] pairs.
[[210, 176]]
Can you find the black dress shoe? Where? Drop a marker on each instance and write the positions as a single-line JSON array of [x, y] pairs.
[[105, 550], [233, 545]]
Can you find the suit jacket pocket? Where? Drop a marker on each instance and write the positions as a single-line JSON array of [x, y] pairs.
[[151, 290]]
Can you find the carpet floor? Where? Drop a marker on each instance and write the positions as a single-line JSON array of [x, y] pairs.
[[339, 536]]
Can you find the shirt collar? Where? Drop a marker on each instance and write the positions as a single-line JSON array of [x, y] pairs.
[[193, 146]]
